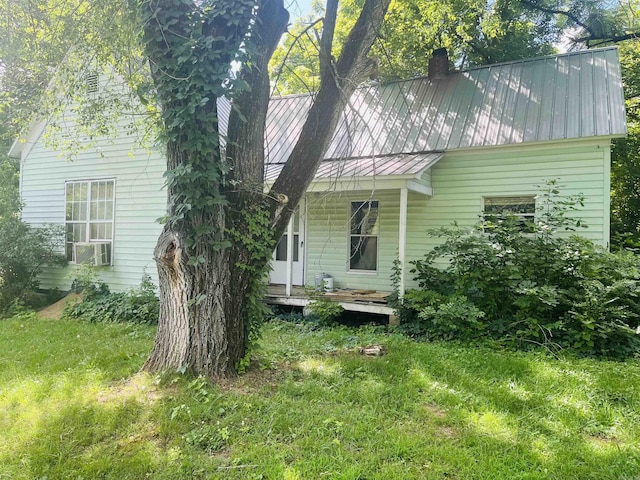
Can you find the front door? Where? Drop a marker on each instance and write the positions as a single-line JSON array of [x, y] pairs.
[[279, 259]]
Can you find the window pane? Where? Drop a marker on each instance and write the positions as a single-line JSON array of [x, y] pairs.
[[76, 232], [79, 211], [88, 212], [80, 192], [109, 191], [515, 205], [518, 210], [296, 221], [364, 253], [95, 191], [281, 249], [100, 231], [108, 210], [364, 218]]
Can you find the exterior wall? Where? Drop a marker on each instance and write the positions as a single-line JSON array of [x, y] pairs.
[[460, 181], [139, 201], [328, 238]]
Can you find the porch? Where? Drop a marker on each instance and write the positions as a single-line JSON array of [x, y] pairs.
[[364, 301]]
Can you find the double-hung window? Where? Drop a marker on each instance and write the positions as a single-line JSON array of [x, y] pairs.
[[89, 213], [364, 231]]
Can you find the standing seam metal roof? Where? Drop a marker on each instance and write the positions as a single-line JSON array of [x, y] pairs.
[[401, 164], [568, 96]]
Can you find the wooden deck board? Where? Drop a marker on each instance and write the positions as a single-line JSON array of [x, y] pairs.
[[351, 300], [341, 295]]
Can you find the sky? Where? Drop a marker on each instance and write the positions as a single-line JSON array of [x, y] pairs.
[[298, 8]]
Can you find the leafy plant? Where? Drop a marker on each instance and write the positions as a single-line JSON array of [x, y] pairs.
[[138, 305], [456, 318], [25, 249], [325, 310], [535, 286]]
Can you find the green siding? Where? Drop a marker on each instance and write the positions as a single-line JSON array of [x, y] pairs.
[[328, 238], [139, 199], [460, 181]]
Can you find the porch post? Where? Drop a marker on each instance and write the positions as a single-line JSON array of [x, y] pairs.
[[402, 237], [289, 257]]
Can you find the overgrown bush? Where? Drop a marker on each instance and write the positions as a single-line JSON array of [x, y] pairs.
[[99, 304], [325, 310], [25, 250], [528, 286]]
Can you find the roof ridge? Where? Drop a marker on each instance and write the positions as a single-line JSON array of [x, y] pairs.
[[470, 69]]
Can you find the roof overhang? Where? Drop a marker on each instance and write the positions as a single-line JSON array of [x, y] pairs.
[[388, 172], [24, 143]]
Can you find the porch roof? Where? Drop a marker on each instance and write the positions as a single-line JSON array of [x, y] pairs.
[[404, 165]]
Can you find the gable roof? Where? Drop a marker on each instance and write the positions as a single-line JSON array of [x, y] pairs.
[[402, 128], [568, 96]]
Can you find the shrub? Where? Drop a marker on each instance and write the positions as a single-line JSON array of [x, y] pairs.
[[325, 310], [533, 287], [443, 317], [25, 250], [138, 305]]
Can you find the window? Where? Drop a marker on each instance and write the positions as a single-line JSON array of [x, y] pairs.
[[496, 209], [364, 230], [281, 248], [89, 208]]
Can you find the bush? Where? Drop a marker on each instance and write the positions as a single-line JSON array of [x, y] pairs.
[[98, 304], [25, 250], [528, 287], [325, 310]]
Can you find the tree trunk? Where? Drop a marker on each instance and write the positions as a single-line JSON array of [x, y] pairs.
[[208, 288], [201, 324]]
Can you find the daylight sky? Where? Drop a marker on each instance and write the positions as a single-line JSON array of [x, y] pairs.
[[298, 8]]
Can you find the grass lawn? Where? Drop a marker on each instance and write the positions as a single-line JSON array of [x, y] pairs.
[[72, 406]]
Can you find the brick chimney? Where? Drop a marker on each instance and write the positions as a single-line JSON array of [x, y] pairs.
[[439, 64]]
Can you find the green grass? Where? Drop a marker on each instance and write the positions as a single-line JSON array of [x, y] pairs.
[[73, 406]]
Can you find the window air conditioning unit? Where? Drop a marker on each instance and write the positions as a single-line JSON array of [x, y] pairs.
[[94, 253]]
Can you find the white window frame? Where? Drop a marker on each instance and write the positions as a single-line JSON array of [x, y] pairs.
[[351, 235], [88, 222], [526, 216]]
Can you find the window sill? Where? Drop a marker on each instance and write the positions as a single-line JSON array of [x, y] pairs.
[[362, 272]]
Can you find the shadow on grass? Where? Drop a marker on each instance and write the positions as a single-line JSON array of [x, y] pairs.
[[421, 411]]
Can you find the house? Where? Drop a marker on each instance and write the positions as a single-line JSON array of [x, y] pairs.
[[407, 156]]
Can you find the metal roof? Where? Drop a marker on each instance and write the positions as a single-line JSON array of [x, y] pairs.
[[391, 165], [568, 96]]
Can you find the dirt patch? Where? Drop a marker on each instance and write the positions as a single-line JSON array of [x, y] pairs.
[[435, 410], [447, 432], [54, 311], [255, 379], [137, 387]]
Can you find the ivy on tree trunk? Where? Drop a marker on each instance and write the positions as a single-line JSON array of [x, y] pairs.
[[221, 227]]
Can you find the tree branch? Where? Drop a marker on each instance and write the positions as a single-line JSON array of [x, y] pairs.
[[554, 11], [597, 41], [293, 44], [352, 66], [245, 147], [326, 41]]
